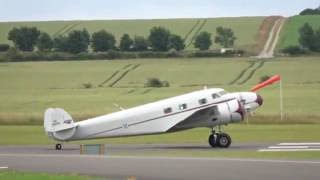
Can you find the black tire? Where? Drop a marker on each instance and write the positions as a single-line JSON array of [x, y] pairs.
[[223, 140], [58, 146], [212, 141]]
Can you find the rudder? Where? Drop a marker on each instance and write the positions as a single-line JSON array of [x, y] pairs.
[[58, 124]]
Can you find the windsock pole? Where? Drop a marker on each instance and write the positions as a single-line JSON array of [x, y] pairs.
[[281, 100], [272, 80]]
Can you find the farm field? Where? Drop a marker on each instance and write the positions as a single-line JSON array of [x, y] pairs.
[[28, 88], [290, 34], [245, 28]]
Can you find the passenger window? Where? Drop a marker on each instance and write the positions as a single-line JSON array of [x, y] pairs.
[[214, 96], [183, 106], [203, 101], [167, 110], [222, 93]]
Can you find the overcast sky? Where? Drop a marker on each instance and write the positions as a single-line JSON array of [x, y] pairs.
[[34, 10]]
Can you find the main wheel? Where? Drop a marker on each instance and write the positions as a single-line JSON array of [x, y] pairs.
[[223, 140], [58, 146], [212, 141]]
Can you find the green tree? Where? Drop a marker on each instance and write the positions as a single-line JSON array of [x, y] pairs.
[[44, 43], [317, 41], [203, 41], [176, 42], [24, 38], [78, 41], [60, 43], [103, 41], [13, 54], [159, 39], [307, 37], [309, 11], [126, 43], [225, 37], [140, 43], [4, 47]]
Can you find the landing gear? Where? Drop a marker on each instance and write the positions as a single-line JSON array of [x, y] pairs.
[[58, 146], [224, 140], [212, 140], [219, 139]]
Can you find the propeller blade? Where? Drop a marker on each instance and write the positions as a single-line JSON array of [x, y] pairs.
[[270, 81]]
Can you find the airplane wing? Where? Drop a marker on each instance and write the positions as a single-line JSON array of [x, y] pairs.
[[201, 116]]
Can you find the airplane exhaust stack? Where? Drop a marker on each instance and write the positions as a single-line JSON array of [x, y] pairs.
[[241, 110]]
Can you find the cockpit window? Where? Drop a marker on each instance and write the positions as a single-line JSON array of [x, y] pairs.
[[215, 95], [222, 93]]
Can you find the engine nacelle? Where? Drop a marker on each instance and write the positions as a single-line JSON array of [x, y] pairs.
[[230, 112]]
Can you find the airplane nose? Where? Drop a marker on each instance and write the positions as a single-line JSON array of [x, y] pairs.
[[259, 100]]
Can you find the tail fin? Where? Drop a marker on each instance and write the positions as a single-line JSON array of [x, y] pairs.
[[58, 124]]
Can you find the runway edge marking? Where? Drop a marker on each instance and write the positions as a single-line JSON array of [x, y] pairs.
[[286, 150], [292, 147], [300, 144]]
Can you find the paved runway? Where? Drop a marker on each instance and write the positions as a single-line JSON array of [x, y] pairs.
[[45, 159], [127, 149]]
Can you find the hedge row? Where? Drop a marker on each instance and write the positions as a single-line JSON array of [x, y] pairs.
[[16, 56]]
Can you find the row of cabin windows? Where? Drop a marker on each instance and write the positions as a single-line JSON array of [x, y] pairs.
[[184, 106], [169, 109]]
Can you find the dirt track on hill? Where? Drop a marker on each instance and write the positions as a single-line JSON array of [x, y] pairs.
[[270, 44]]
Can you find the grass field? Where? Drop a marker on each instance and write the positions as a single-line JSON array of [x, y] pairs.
[[27, 89], [241, 133], [272, 134], [245, 28], [15, 175], [290, 33]]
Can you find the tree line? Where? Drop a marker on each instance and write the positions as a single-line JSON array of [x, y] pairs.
[[309, 41], [160, 39], [310, 11]]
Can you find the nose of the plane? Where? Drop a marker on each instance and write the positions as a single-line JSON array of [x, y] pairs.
[[259, 100]]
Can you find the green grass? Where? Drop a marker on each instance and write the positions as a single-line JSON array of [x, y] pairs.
[[16, 175], [290, 33], [245, 28], [300, 80], [28, 88], [241, 133], [227, 154]]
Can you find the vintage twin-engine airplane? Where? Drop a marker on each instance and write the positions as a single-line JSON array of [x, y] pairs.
[[205, 108]]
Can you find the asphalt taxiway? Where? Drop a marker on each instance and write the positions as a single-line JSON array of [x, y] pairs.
[[46, 159], [116, 149]]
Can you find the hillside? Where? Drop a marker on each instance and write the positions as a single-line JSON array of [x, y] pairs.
[[29, 88], [290, 33], [245, 28]]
